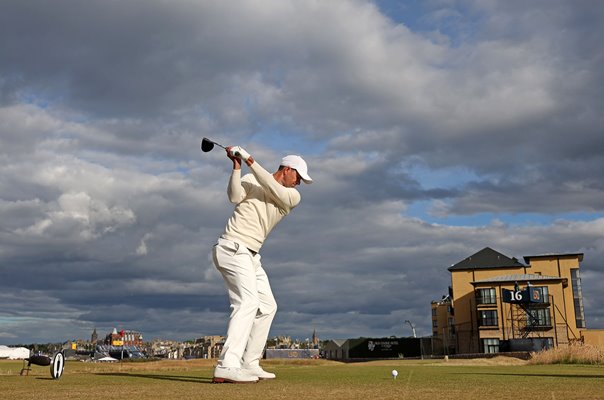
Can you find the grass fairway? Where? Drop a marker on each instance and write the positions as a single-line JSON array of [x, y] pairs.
[[500, 378]]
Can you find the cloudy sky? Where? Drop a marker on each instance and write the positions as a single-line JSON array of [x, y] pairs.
[[432, 129]]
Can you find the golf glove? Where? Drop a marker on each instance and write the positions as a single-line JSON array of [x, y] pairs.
[[240, 152]]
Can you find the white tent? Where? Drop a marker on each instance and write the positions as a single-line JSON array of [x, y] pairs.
[[14, 353], [107, 359]]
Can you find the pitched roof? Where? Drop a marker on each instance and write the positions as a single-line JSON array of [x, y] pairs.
[[339, 342], [486, 258], [519, 278]]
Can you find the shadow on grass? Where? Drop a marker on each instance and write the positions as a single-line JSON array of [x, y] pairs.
[[176, 378], [596, 376]]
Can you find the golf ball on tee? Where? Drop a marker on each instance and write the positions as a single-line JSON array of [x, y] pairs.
[[394, 373]]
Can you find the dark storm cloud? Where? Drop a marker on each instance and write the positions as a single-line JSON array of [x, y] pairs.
[[96, 59]]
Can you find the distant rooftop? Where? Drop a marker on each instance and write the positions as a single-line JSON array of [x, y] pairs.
[[527, 259], [518, 278], [485, 259]]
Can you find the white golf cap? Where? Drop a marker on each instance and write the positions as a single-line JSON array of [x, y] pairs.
[[297, 163]]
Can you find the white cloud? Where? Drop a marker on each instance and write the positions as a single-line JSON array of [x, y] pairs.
[[142, 250]]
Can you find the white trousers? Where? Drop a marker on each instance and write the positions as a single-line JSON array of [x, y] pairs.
[[253, 306]]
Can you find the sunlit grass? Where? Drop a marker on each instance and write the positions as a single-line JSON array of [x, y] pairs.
[[311, 379]]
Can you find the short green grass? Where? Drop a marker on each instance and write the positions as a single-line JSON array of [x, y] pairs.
[[312, 379]]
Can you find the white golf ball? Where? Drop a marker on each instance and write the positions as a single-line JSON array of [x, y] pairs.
[[394, 373]]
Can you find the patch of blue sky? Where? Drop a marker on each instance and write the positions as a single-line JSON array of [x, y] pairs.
[[279, 135], [455, 20], [408, 13], [424, 210], [44, 101], [42, 98], [35, 99], [443, 178]]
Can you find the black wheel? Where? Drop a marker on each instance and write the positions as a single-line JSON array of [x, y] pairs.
[[57, 366]]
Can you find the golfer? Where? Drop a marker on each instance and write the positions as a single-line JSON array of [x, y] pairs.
[[262, 199]]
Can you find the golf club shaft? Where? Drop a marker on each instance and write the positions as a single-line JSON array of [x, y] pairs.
[[217, 144]]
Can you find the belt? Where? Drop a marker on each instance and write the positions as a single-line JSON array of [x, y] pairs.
[[252, 252]]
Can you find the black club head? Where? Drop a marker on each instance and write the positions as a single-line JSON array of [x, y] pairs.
[[206, 145]]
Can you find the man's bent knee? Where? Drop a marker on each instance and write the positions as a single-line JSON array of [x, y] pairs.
[[268, 309], [249, 306]]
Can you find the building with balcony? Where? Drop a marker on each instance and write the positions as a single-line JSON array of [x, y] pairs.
[[497, 303], [443, 326]]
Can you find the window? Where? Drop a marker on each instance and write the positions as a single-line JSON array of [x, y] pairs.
[[451, 327], [549, 343], [491, 345], [539, 317], [486, 296], [434, 312], [578, 298], [544, 293], [434, 323], [487, 318]]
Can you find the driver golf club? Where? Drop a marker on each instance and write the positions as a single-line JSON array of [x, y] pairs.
[[208, 145]]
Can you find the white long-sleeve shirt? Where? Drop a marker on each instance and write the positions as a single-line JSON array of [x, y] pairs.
[[261, 203]]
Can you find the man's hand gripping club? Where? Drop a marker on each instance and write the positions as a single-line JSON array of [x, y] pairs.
[[238, 153]]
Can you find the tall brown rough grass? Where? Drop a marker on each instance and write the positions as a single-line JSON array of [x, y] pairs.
[[573, 354]]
